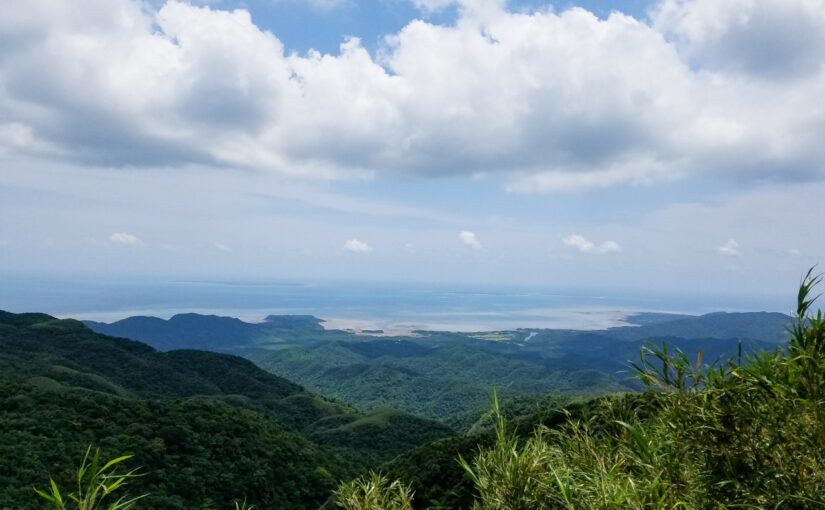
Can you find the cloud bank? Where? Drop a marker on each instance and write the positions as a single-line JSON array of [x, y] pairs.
[[550, 101]]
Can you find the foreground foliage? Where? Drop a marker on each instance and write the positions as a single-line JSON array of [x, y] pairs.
[[374, 491], [748, 433], [96, 480]]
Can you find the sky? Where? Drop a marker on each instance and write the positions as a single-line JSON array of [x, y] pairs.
[[662, 145]]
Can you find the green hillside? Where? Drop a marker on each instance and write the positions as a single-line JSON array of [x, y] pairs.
[[197, 453], [437, 382], [206, 427]]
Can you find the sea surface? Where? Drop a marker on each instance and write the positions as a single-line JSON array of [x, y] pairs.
[[394, 308]]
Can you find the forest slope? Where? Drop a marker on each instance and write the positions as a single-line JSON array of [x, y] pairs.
[[208, 427]]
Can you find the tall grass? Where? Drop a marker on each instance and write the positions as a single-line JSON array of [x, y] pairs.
[[95, 482], [243, 505], [373, 492]]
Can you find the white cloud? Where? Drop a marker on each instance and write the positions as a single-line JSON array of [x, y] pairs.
[[469, 239], [579, 242], [610, 247], [793, 252], [730, 248], [356, 246], [584, 245], [125, 239], [223, 247], [553, 101]]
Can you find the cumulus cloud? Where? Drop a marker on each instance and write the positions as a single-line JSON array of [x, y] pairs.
[[584, 245], [730, 248], [766, 38], [469, 239], [554, 101], [124, 239], [356, 246]]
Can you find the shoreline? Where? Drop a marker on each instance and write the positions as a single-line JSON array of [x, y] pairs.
[[581, 320]]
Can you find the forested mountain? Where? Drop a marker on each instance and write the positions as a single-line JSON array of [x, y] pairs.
[[214, 333], [206, 427], [438, 381], [445, 375], [765, 326]]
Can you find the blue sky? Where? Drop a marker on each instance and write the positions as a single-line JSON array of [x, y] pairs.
[[665, 145], [322, 25]]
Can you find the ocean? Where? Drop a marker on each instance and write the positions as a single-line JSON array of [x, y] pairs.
[[392, 307]]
